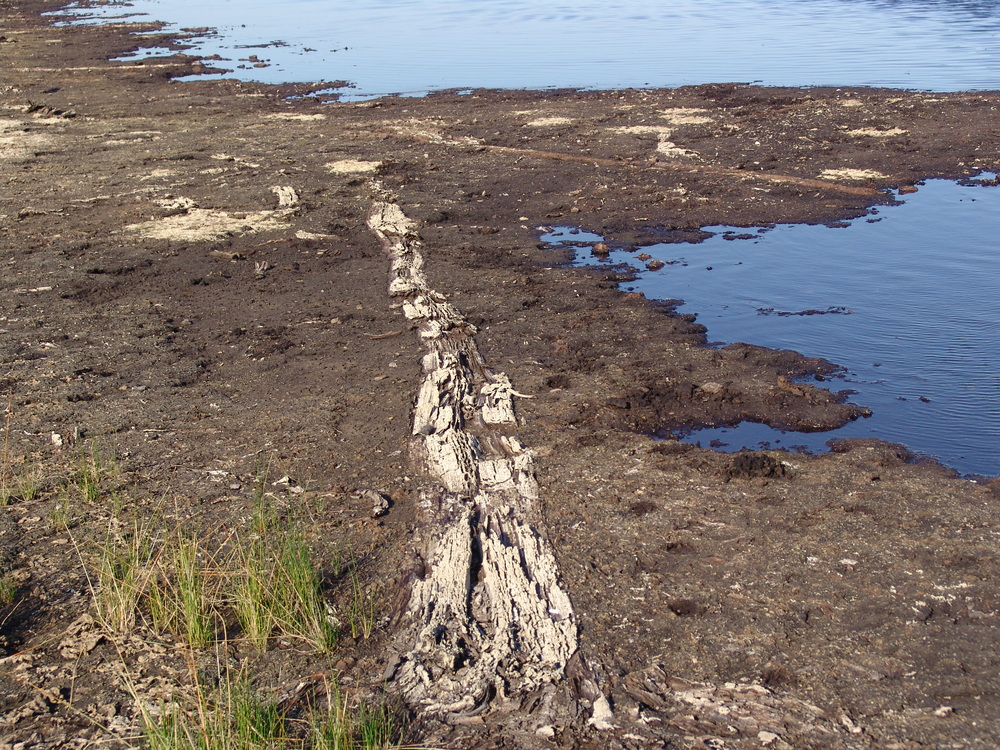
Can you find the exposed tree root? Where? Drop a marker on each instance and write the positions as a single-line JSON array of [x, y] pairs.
[[487, 619]]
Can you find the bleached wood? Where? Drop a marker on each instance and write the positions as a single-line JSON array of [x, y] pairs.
[[487, 618]]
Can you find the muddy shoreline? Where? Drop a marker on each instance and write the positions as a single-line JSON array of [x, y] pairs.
[[191, 287]]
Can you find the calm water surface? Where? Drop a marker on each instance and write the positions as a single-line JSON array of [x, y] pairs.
[[907, 299], [414, 46]]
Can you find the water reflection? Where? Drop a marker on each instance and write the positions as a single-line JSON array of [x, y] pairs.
[[909, 304], [386, 46]]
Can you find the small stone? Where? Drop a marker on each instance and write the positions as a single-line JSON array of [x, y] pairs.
[[602, 718], [943, 711], [766, 738], [343, 664], [380, 502]]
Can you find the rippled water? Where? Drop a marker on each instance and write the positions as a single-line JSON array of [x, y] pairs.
[[907, 299], [414, 46]]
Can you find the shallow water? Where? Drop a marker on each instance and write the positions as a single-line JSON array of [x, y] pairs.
[[907, 299], [415, 46]]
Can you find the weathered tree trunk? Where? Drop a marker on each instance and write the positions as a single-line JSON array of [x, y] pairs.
[[486, 617]]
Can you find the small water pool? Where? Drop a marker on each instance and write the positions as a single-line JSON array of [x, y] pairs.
[[907, 299]]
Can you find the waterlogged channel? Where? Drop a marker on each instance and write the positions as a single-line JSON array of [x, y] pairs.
[[906, 299]]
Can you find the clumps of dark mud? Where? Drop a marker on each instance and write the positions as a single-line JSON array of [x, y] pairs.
[[884, 454], [751, 465], [671, 448], [686, 608], [643, 507], [994, 487], [559, 381]]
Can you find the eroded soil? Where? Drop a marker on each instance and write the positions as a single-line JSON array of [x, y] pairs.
[[190, 287]]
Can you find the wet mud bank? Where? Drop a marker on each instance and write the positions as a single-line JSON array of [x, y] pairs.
[[190, 285]]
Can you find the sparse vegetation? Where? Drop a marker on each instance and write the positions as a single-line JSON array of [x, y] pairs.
[[5, 457], [236, 716], [333, 727], [270, 585], [252, 594], [174, 581], [232, 716], [124, 567], [299, 607], [18, 478], [19, 482], [278, 586], [178, 599], [361, 611], [8, 590], [59, 514], [94, 468]]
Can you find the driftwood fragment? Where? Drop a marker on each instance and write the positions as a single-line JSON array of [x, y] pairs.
[[487, 618]]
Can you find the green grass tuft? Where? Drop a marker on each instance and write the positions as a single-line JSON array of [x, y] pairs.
[[278, 587], [178, 598], [231, 717], [124, 570], [8, 590]]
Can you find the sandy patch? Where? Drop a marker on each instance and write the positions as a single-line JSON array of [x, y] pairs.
[[852, 174], [287, 197], [665, 146], [352, 166], [876, 133], [193, 224], [547, 122], [7, 125], [852, 103], [660, 130], [15, 143], [304, 235], [176, 205], [669, 148], [294, 116], [157, 174], [685, 116], [201, 225], [235, 159], [431, 130]]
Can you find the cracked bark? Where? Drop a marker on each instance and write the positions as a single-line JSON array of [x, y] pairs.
[[487, 621]]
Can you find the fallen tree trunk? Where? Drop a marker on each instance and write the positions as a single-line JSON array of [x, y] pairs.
[[487, 618]]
